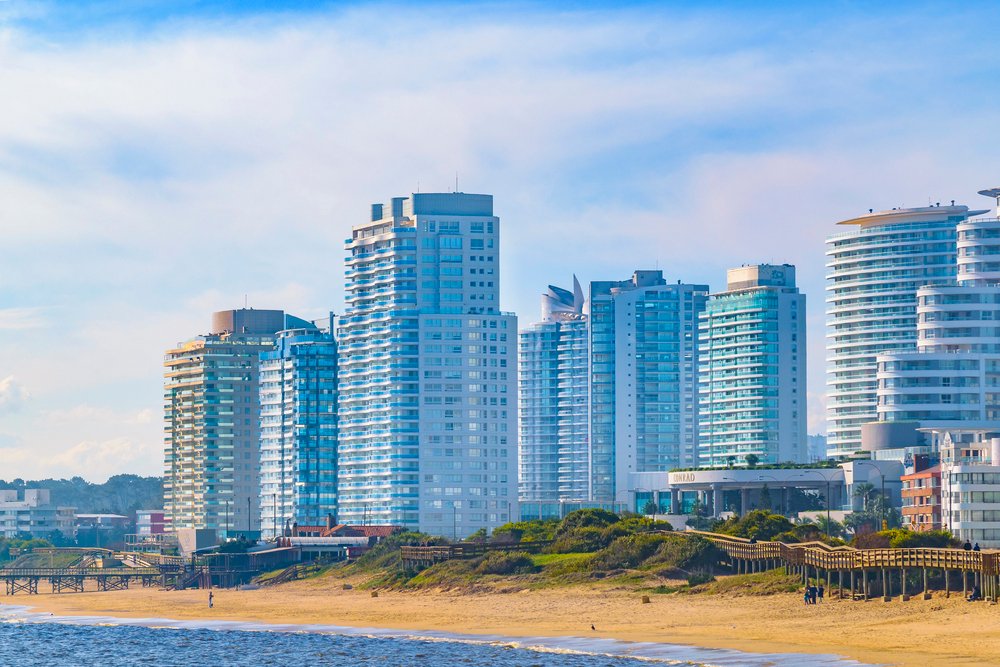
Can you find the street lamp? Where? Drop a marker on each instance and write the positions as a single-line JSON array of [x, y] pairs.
[[227, 520], [827, 480], [454, 520], [274, 513], [885, 524], [249, 526]]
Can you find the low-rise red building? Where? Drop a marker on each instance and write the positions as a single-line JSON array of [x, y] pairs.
[[922, 499]]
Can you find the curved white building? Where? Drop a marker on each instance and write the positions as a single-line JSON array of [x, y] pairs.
[[953, 378], [873, 274]]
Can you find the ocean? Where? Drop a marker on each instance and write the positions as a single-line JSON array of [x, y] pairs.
[[28, 638]]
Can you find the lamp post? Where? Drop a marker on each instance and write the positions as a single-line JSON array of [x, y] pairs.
[[885, 524], [274, 513], [454, 520], [827, 480], [226, 534], [249, 525]]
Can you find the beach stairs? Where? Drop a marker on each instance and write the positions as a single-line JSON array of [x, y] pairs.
[[290, 573], [188, 579]]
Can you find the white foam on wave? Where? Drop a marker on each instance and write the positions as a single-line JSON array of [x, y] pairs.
[[654, 652]]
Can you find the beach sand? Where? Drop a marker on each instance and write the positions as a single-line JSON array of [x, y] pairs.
[[913, 633]]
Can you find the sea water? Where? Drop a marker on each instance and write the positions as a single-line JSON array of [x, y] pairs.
[[28, 638]]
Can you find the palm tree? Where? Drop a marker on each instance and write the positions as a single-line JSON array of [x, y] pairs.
[[866, 491]]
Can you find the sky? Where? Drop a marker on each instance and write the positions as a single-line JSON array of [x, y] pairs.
[[160, 161]]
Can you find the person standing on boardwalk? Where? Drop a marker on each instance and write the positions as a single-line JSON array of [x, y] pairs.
[[967, 546]]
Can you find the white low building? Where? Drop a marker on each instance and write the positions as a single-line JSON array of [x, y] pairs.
[[31, 512], [970, 484]]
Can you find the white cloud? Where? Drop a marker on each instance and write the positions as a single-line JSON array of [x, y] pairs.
[[21, 318], [13, 395]]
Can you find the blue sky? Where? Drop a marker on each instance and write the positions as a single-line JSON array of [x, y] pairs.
[[159, 161]]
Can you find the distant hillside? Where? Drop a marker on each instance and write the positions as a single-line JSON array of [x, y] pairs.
[[121, 494]]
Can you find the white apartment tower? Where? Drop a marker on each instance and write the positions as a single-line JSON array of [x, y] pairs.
[[427, 373], [752, 359]]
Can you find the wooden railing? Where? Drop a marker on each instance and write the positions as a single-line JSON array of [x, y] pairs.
[[434, 554], [826, 557]]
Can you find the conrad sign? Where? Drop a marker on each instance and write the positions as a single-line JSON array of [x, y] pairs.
[[681, 477]]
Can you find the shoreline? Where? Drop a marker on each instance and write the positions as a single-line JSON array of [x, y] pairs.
[[572, 645], [897, 633]]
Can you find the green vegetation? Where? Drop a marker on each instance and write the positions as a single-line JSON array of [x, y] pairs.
[[20, 545], [121, 494], [898, 538], [771, 582], [586, 545]]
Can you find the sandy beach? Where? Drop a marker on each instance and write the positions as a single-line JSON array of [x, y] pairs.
[[913, 633]]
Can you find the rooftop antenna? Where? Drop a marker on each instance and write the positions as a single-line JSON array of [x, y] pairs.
[[992, 193], [246, 301], [456, 181]]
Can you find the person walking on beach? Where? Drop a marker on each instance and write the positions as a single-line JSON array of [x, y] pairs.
[[821, 590], [211, 599]]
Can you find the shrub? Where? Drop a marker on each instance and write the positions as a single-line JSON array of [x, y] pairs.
[[582, 540], [699, 578], [757, 524], [686, 553], [628, 551], [586, 518], [506, 562], [535, 530], [899, 538]]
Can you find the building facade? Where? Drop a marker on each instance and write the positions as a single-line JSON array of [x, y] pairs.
[[553, 442], [921, 494], [873, 274], [31, 513], [643, 379], [970, 483], [212, 422], [427, 375], [298, 430], [752, 377], [952, 379]]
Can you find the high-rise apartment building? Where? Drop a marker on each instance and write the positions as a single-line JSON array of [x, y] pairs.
[[752, 369], [212, 422], [952, 379], [643, 379], [873, 274], [298, 430], [553, 441], [428, 369]]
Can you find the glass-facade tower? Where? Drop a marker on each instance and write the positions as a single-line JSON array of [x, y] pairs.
[[298, 430], [427, 374], [553, 393], [643, 379], [752, 378]]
